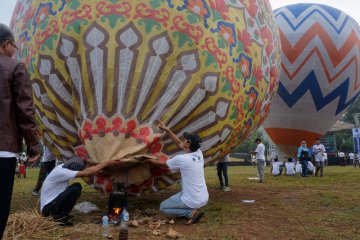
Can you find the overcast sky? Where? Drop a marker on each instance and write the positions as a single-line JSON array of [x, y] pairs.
[[351, 7]]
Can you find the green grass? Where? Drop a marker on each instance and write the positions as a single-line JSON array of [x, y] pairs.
[[285, 207]]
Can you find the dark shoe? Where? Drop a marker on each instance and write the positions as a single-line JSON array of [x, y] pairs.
[[66, 223], [197, 216], [35, 193]]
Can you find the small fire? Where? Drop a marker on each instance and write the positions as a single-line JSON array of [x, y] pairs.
[[117, 210]]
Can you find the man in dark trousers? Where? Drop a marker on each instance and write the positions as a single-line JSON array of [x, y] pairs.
[[48, 160], [57, 198], [16, 119]]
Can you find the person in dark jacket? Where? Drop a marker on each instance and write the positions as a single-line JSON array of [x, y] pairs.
[[17, 119]]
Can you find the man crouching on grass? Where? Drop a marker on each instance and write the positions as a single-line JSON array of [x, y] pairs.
[[194, 194], [57, 198]]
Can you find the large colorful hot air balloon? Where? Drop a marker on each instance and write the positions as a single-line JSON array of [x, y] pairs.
[[319, 73], [104, 71]]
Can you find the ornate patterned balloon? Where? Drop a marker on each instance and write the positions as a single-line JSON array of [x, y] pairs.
[[320, 73], [104, 71]]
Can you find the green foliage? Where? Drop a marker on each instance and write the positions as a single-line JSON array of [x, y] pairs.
[[348, 116]]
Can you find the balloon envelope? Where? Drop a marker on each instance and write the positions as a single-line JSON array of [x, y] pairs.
[[319, 73], [103, 72]]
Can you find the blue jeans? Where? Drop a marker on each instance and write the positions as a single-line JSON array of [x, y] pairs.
[[175, 207], [304, 164], [222, 169]]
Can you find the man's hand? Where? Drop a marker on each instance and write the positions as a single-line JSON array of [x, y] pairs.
[[33, 159]]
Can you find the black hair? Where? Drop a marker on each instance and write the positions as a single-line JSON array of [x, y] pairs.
[[290, 159], [194, 146], [276, 159], [5, 34]]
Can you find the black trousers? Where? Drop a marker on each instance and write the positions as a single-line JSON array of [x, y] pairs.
[[45, 169], [222, 170], [62, 205], [7, 174]]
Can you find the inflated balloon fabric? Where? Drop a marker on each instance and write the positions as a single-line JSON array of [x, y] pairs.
[[103, 72], [319, 73]]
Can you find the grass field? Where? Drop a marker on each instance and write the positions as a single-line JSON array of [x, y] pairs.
[[284, 208]]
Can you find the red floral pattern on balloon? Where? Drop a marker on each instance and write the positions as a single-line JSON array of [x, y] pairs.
[[70, 16], [105, 8], [211, 46], [50, 30], [181, 25], [161, 15]]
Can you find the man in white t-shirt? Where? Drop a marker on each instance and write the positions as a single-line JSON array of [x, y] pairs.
[[318, 150], [356, 160], [259, 153], [194, 194], [276, 167], [351, 157], [57, 198], [290, 167], [341, 156]]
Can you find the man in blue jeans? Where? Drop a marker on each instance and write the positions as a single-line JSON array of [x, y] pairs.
[[303, 155], [194, 194], [222, 166]]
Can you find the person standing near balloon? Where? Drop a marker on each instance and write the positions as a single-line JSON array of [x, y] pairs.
[[222, 166], [318, 151], [194, 193], [259, 153], [303, 155], [342, 158], [17, 119]]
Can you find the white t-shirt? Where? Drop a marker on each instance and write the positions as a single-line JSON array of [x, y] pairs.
[[5, 154], [47, 156], [310, 166], [290, 168], [191, 167], [325, 156], [318, 150], [351, 156], [260, 151], [55, 183], [341, 154], [298, 167], [276, 168]]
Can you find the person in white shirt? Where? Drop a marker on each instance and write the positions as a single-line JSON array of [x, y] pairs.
[[356, 160], [194, 193], [310, 168], [222, 166], [57, 198], [290, 167], [259, 153], [351, 158], [325, 156], [341, 156], [318, 150], [277, 167]]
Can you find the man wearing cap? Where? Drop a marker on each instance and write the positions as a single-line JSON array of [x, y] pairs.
[[57, 198], [259, 153], [16, 119], [194, 194]]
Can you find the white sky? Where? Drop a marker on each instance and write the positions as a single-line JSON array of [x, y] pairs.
[[351, 7]]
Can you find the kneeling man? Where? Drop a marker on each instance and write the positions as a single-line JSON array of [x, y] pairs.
[[194, 194], [57, 198]]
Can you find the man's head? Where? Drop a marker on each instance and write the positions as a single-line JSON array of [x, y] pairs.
[[7, 41], [317, 141], [191, 141], [258, 140], [289, 159], [303, 143], [75, 164], [276, 159]]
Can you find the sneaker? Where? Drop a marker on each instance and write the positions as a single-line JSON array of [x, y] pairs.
[[35, 193], [226, 189]]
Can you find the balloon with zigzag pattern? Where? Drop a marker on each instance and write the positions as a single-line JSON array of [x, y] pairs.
[[319, 73]]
